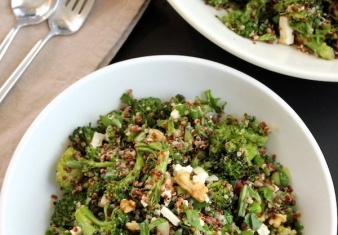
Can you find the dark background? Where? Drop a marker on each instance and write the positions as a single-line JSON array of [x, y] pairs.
[[162, 31]]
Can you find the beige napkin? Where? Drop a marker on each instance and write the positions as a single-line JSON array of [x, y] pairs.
[[62, 61]]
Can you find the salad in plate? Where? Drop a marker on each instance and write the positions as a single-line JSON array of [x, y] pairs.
[[311, 25], [172, 167]]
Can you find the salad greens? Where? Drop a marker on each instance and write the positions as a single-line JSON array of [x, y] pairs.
[[311, 25], [172, 167]]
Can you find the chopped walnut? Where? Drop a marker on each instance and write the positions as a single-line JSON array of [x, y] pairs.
[[127, 205], [156, 135], [196, 189], [132, 226], [277, 220]]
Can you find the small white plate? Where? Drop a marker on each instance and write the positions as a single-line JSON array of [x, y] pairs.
[[278, 58]]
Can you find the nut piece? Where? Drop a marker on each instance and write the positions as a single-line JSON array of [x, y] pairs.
[[127, 205], [277, 220], [156, 135], [132, 226], [196, 189]]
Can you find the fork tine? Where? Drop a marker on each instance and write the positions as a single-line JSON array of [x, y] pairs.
[[78, 6], [86, 7]]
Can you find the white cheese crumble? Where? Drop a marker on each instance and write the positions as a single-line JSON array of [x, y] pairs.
[[200, 177], [285, 31], [211, 178], [104, 201], [179, 167], [97, 139], [170, 216], [263, 230], [175, 114]]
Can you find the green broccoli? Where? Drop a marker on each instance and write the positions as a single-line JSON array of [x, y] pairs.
[[310, 30], [160, 152], [81, 137], [250, 21], [71, 168], [91, 225], [57, 231], [146, 110], [200, 107], [64, 209], [68, 177], [233, 167], [118, 190], [217, 3], [221, 194], [86, 165]]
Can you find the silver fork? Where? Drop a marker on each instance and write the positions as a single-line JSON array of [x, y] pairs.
[[67, 19]]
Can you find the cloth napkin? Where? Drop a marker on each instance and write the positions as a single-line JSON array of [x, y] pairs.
[[60, 63]]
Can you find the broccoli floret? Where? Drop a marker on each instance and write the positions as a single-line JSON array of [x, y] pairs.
[[281, 230], [239, 138], [200, 107], [160, 154], [217, 3], [92, 152], [250, 22], [81, 137], [232, 168], [221, 194], [113, 224], [64, 209], [71, 168], [118, 190], [86, 165], [146, 110], [178, 99], [310, 29], [57, 231], [68, 177]]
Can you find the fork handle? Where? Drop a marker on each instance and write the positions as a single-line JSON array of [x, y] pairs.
[[7, 86], [8, 40]]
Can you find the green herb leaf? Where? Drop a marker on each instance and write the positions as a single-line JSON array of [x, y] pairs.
[[252, 221]]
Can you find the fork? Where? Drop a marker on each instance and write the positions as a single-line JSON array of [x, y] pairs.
[[67, 19]]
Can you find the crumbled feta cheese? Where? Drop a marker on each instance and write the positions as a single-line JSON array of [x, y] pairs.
[[200, 177], [170, 216], [76, 231], [97, 139], [179, 167], [285, 31], [104, 201], [157, 212], [263, 230], [175, 114], [201, 222], [211, 178]]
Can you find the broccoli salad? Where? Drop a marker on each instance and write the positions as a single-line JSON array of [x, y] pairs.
[[311, 25], [172, 167]]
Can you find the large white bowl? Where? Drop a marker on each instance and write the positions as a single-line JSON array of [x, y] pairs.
[[25, 200], [278, 58]]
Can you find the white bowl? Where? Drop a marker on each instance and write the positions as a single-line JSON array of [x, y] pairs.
[[25, 200], [278, 58]]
